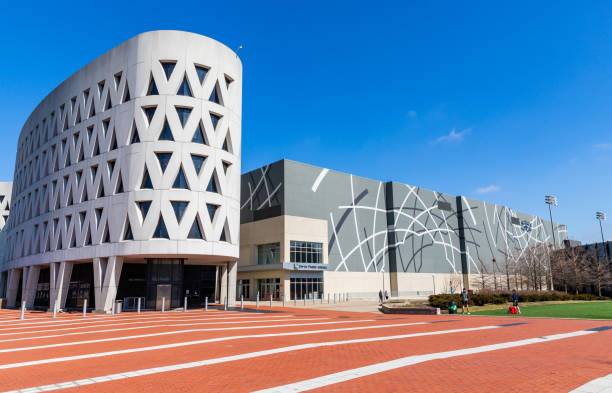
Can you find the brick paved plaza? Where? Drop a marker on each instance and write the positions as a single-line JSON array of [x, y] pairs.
[[290, 350]]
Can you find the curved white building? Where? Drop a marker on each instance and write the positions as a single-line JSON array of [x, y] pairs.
[[127, 180]]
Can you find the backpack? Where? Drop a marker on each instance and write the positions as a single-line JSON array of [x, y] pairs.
[[512, 310]]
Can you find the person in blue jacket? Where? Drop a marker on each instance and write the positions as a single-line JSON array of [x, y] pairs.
[[515, 301]]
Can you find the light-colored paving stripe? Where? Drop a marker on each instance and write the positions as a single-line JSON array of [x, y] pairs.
[[101, 340], [249, 355], [131, 322], [217, 339], [599, 385], [156, 326], [348, 375]]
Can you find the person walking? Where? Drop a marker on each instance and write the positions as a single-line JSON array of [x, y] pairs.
[[464, 302], [380, 296], [515, 301]]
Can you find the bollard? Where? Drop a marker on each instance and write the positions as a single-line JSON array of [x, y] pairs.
[[283, 300], [138, 309], [22, 315], [84, 307], [185, 305], [225, 304], [163, 304], [113, 308], [327, 297], [54, 308], [334, 298], [304, 297], [270, 300], [241, 302], [347, 296], [257, 301], [294, 300], [206, 304], [313, 298]]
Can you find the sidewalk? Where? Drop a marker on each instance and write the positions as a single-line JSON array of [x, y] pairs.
[[357, 305]]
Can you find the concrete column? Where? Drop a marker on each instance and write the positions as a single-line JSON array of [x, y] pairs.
[[31, 285], [59, 281], [223, 288], [106, 280], [12, 287], [232, 277]]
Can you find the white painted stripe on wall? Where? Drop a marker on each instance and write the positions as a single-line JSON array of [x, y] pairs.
[[599, 385], [227, 338], [315, 185], [347, 375]]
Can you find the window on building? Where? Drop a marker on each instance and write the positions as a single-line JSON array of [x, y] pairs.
[[306, 252], [306, 288], [268, 253]]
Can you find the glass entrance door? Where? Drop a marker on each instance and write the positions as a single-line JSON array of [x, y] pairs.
[[269, 286]]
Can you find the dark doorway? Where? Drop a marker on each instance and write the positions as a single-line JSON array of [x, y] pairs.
[[199, 283], [164, 271], [18, 297], [133, 281], [81, 287], [41, 301]]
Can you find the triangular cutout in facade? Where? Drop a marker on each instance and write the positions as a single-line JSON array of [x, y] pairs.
[[126, 93], [160, 231], [168, 67], [128, 231], [214, 95], [180, 181], [106, 238], [201, 71], [144, 208], [212, 184], [212, 210], [214, 118], [135, 137], [226, 166], [183, 114], [164, 159], [149, 112], [179, 209], [146, 180], [184, 89], [223, 237], [119, 185], [195, 232], [152, 89], [228, 81], [166, 133], [198, 136], [198, 161]]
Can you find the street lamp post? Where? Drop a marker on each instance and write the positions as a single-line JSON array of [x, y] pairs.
[[551, 200], [600, 217]]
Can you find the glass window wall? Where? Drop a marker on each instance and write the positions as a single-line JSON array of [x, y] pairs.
[[306, 252]]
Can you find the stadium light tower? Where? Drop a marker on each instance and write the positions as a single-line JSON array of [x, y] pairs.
[[600, 217], [551, 200]]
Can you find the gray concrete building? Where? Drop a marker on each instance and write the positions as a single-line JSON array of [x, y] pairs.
[[308, 231]]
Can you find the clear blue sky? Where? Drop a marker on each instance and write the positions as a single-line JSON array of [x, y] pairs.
[[501, 103]]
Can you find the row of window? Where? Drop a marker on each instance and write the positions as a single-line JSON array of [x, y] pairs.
[[33, 171], [301, 252], [160, 231]]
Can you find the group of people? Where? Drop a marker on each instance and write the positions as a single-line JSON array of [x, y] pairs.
[[465, 301], [381, 298]]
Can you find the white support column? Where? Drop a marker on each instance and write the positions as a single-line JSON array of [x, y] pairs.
[[232, 277], [223, 290], [12, 287], [62, 282], [31, 285], [106, 280]]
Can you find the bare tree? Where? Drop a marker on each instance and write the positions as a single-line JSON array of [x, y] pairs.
[[598, 271], [569, 267]]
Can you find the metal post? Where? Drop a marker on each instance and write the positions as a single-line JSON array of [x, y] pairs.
[[334, 298], [138, 310], [185, 305], [304, 297], [22, 315], [206, 304], [322, 296], [552, 228], [313, 298], [270, 299], [54, 308], [225, 300], [327, 297], [257, 301], [241, 302], [84, 307], [113, 308], [295, 299], [163, 304], [283, 300]]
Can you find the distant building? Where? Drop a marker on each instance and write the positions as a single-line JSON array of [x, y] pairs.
[[308, 231]]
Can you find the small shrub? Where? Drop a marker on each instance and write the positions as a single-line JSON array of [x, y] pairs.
[[500, 297]]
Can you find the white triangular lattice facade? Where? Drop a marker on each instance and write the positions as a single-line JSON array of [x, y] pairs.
[[88, 157]]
